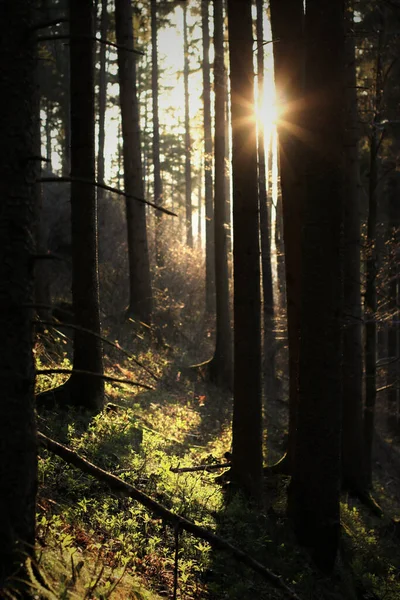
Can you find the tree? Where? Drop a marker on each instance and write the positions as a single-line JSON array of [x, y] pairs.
[[246, 428], [84, 390], [188, 143], [158, 189], [268, 300], [102, 96], [370, 304], [221, 368], [313, 500], [353, 464], [287, 23], [18, 463], [140, 299], [208, 181]]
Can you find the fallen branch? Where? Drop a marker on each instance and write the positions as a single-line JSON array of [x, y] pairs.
[[200, 468], [100, 375], [108, 188], [175, 520]]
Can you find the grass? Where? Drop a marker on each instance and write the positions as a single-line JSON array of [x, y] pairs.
[[92, 543]]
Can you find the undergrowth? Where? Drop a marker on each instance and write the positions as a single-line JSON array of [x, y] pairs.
[[93, 543]]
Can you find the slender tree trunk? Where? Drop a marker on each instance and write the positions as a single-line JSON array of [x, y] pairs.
[[18, 463], [247, 422], [41, 273], [140, 301], [268, 298], [353, 467], [371, 272], [188, 143], [393, 354], [158, 188], [84, 391], [287, 23], [208, 182], [48, 134], [228, 186], [64, 66], [102, 98], [314, 492], [221, 367]]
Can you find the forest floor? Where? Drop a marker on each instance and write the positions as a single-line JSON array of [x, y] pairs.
[[95, 543]]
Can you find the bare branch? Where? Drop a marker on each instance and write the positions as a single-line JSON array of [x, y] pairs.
[[45, 24], [99, 375], [56, 36], [103, 339], [175, 520], [104, 187]]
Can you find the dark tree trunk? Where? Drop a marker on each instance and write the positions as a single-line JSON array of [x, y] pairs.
[[41, 272], [140, 301], [188, 143], [353, 467], [48, 133], [228, 186], [158, 188], [208, 181], [393, 348], [247, 427], [84, 391], [268, 299], [287, 23], [370, 305], [221, 367], [18, 464], [314, 491], [102, 97]]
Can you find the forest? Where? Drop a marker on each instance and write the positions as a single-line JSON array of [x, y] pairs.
[[200, 299]]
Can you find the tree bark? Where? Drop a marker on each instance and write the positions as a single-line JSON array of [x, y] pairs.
[[208, 180], [247, 426], [84, 391], [221, 367], [188, 143], [287, 23], [370, 305], [18, 463], [158, 187], [102, 98], [393, 341], [140, 300], [353, 467], [268, 299], [314, 492]]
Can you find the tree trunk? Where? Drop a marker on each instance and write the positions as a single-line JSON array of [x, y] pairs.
[[158, 188], [247, 426], [314, 491], [287, 23], [140, 301], [394, 305], [188, 143], [221, 367], [353, 468], [268, 299], [18, 463], [371, 272], [208, 181], [84, 391], [102, 98]]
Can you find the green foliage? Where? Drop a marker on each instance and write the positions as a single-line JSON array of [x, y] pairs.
[[93, 543]]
